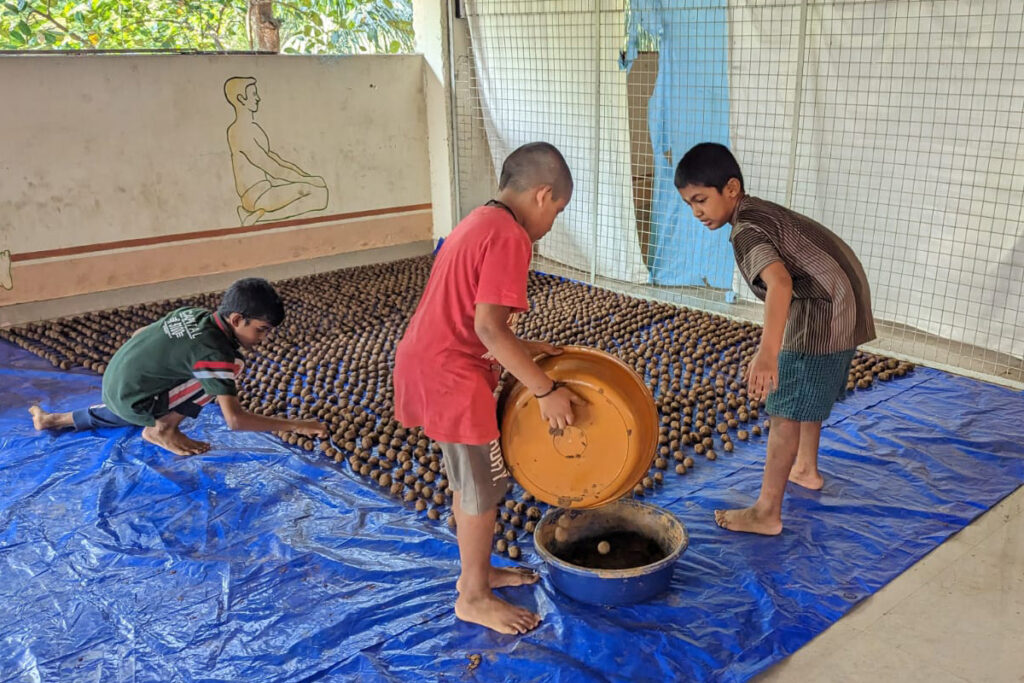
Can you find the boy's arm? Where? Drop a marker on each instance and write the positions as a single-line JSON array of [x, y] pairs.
[[491, 327], [241, 420], [763, 373]]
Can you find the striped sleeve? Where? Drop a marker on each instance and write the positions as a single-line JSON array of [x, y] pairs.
[[218, 375], [754, 252]]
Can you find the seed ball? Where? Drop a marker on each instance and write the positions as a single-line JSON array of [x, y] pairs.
[[451, 521], [661, 463], [516, 521], [727, 446], [680, 468], [501, 545], [604, 547], [561, 534], [756, 430], [533, 512], [699, 449], [638, 490], [410, 496], [711, 455], [659, 477], [421, 505], [433, 513], [530, 527], [514, 552], [742, 435], [510, 504], [510, 534], [689, 462]]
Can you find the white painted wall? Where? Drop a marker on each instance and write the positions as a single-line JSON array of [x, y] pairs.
[[101, 148]]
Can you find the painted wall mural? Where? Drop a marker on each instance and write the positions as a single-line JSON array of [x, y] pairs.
[[270, 188], [5, 270]]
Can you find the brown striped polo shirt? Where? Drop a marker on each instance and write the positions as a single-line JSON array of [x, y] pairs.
[[831, 306]]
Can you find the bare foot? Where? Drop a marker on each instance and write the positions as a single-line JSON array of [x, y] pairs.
[[174, 441], [502, 577], [491, 611], [43, 420], [748, 520], [809, 480]]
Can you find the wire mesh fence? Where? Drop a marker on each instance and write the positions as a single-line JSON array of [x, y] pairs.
[[895, 123]]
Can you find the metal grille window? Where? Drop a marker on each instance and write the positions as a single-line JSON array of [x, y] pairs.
[[895, 123]]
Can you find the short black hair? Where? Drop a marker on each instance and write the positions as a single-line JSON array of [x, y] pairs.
[[533, 164], [708, 164], [255, 299]]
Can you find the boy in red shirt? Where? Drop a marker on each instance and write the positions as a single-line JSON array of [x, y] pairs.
[[444, 378]]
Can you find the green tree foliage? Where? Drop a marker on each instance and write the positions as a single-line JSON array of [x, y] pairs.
[[306, 26]]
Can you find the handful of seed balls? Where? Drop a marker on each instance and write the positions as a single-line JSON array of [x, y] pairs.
[[332, 360]]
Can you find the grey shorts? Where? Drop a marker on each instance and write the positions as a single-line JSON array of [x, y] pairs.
[[478, 473]]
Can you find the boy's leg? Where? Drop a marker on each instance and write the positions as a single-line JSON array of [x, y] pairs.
[[184, 401], [805, 470], [765, 516], [477, 492], [85, 419], [497, 577], [43, 420]]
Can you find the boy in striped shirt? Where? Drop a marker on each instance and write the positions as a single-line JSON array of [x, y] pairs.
[[170, 369], [817, 310]]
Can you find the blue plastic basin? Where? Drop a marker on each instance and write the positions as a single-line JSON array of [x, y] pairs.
[[611, 586]]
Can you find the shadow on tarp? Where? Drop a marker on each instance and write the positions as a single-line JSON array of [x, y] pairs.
[[255, 562]]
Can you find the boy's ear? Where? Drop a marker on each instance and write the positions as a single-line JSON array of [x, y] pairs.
[[544, 194], [235, 319], [732, 188]]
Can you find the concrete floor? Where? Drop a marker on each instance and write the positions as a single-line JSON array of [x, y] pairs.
[[957, 615]]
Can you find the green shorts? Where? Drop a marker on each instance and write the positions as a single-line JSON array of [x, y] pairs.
[[809, 385]]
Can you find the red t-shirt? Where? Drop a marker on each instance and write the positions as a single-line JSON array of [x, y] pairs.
[[442, 382]]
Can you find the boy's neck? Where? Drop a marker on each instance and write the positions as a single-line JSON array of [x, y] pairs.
[[515, 202], [225, 327], [736, 205]]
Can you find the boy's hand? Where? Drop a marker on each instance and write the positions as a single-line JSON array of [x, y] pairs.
[[556, 407], [763, 375], [310, 428], [539, 348]]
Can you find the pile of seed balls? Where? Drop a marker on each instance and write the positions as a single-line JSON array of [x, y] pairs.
[[332, 358]]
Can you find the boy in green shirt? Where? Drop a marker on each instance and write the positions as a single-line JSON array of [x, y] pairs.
[[170, 369]]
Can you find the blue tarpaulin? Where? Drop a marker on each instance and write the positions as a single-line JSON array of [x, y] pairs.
[[257, 562]]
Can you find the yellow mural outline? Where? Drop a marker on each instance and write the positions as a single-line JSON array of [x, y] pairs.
[[269, 187]]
